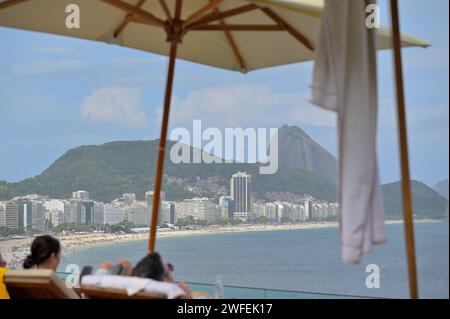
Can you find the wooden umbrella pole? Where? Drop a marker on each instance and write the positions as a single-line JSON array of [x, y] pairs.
[[175, 33], [162, 146], [404, 162]]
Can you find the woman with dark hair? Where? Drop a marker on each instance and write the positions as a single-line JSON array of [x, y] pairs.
[[45, 253], [153, 267]]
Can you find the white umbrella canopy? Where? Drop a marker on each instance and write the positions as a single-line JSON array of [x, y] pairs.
[[252, 34]]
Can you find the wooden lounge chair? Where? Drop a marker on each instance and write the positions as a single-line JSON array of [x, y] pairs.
[[93, 292], [124, 287], [37, 284]]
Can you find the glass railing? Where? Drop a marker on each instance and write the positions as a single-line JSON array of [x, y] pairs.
[[238, 292]]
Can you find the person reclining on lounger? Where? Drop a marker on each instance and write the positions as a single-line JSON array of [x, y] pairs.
[[153, 267], [3, 292], [45, 253], [123, 267]]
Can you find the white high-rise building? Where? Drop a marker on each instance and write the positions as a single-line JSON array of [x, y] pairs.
[[73, 210], [38, 221], [165, 213], [99, 216], [308, 209], [259, 209], [271, 212], [54, 205], [280, 211], [25, 214], [150, 194], [2, 214], [56, 218], [241, 190], [11, 215], [113, 214], [149, 199], [138, 214], [83, 195], [168, 213], [301, 211], [197, 208], [55, 211], [296, 212], [226, 207]]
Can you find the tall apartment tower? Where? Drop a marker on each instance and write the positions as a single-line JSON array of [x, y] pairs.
[[11, 215], [241, 193], [149, 199]]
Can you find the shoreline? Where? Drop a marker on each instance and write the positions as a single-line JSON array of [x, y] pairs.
[[15, 250]]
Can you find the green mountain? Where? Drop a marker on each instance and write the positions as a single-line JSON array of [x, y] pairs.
[[113, 168], [426, 201], [297, 149]]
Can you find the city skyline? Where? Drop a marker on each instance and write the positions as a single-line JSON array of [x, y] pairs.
[[41, 213]]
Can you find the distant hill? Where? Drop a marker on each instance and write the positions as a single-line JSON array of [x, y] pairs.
[[426, 201], [297, 150], [113, 168], [442, 188]]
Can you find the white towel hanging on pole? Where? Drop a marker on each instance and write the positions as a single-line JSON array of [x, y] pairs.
[[345, 80]]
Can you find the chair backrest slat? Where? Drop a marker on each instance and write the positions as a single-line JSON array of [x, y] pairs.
[[36, 284]]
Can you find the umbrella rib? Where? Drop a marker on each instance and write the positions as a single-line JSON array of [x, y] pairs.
[[202, 11], [217, 15], [240, 27], [135, 11], [140, 20], [231, 41], [166, 10], [178, 4], [126, 20], [216, 27], [282, 23], [10, 3]]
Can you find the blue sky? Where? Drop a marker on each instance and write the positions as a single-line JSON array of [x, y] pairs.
[[53, 92]]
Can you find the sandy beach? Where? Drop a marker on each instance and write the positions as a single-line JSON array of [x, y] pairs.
[[14, 251]]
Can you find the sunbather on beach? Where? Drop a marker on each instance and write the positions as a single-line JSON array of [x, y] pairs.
[[45, 253], [153, 267], [124, 268], [3, 292]]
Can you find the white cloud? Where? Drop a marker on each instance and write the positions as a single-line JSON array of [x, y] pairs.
[[115, 105], [416, 116], [49, 66], [246, 106]]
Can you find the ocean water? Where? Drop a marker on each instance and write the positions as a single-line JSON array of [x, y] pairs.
[[301, 260]]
